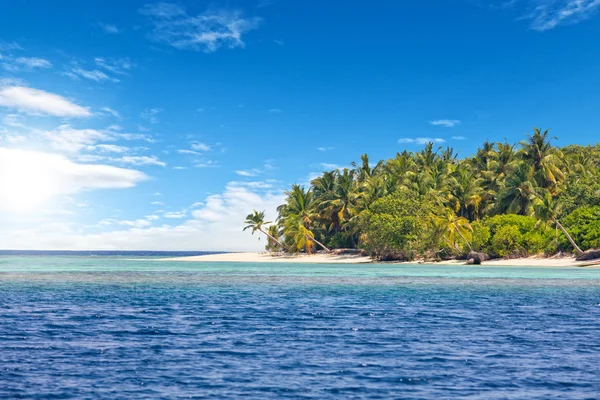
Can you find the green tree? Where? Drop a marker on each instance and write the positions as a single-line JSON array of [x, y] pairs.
[[256, 221], [547, 209], [452, 226]]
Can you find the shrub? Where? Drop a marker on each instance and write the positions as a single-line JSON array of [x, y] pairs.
[[512, 235], [395, 227], [480, 236], [583, 225]]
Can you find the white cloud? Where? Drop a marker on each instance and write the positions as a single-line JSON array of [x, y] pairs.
[[206, 32], [421, 140], [447, 123], [248, 172], [150, 115], [329, 166], [157, 203], [30, 63], [549, 14], [120, 66], [14, 139], [175, 215], [13, 120], [112, 112], [206, 164], [29, 176], [110, 148], [94, 75], [189, 152], [138, 223], [109, 28], [198, 146], [324, 148], [70, 140], [36, 101], [216, 225], [459, 138], [141, 160], [275, 110]]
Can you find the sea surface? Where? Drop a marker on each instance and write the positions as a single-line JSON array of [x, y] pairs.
[[128, 327]]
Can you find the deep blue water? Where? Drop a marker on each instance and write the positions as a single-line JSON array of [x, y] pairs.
[[81, 327]]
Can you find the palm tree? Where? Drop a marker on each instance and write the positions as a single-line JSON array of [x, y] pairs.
[[451, 225], [255, 221], [519, 192], [544, 159], [299, 209], [465, 193], [302, 237], [547, 209]]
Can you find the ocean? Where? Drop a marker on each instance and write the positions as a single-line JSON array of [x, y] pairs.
[[129, 326]]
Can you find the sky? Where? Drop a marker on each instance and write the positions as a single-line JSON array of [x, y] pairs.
[[138, 125]]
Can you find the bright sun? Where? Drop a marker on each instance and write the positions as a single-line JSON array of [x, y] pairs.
[[27, 182]]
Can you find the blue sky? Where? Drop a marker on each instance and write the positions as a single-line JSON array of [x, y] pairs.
[[140, 125]]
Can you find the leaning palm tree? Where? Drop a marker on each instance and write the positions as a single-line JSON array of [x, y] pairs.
[[301, 236], [256, 221], [547, 209], [452, 226]]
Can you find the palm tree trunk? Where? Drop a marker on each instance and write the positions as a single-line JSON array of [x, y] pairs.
[[464, 238], [277, 241], [322, 245], [562, 228]]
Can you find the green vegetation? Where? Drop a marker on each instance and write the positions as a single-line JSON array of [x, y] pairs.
[[507, 200]]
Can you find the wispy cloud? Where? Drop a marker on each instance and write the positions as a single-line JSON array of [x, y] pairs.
[[459, 138], [329, 166], [112, 112], [206, 32], [109, 28], [549, 14], [93, 75], [141, 160], [175, 214], [120, 66], [447, 123], [420, 140], [189, 152], [248, 172], [275, 110], [26, 63], [35, 101], [324, 148], [150, 115], [199, 146]]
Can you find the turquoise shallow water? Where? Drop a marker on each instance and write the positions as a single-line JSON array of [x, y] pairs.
[[84, 327]]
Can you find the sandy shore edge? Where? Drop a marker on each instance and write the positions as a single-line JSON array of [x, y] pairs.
[[357, 259]]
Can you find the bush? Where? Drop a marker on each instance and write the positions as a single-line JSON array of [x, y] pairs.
[[583, 225], [511, 235], [395, 227], [480, 236]]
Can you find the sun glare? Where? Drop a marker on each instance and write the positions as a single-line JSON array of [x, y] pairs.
[[26, 182]]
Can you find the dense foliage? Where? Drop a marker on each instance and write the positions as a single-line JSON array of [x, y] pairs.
[[505, 200]]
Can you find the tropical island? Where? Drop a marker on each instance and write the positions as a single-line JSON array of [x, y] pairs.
[[505, 201]]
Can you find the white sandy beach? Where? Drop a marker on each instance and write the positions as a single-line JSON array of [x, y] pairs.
[[268, 257], [357, 259]]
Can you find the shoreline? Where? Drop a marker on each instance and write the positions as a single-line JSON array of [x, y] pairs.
[[322, 258]]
